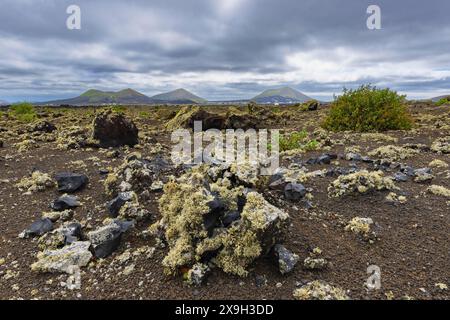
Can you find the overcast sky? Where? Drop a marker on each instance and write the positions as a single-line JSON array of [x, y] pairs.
[[222, 49]]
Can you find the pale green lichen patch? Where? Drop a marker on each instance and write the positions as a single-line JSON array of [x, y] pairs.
[[38, 181], [441, 145], [439, 191], [393, 153], [319, 290], [63, 260], [360, 182]]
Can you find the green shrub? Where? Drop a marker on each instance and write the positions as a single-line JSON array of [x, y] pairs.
[[23, 111], [144, 114], [297, 140], [118, 109], [368, 109], [443, 101]]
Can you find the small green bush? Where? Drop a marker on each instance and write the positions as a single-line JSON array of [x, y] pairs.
[[23, 111], [118, 109], [443, 101], [297, 140], [368, 109], [144, 114]]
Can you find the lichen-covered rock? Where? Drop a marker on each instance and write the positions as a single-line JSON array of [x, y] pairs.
[[74, 137], [439, 191], [360, 182], [315, 263], [319, 290], [436, 163], [362, 227], [38, 181], [286, 259], [114, 130], [193, 209], [118, 202], [63, 260], [187, 115], [393, 153], [57, 215], [42, 126], [105, 240], [135, 174], [392, 197], [197, 274], [423, 175], [441, 145]]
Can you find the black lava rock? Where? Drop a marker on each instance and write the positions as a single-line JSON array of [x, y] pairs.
[[65, 202], [72, 232], [285, 259], [70, 182], [39, 227], [114, 130], [107, 239], [117, 203], [230, 217], [401, 177], [324, 159], [294, 191]]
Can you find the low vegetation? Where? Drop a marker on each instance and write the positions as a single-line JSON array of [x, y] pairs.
[[23, 112], [368, 109], [443, 101], [297, 140]]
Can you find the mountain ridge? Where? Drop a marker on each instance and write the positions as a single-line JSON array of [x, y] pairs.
[[128, 96], [281, 95]]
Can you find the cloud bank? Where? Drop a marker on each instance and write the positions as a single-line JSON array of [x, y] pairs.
[[228, 49]]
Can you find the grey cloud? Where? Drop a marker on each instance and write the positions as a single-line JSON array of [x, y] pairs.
[[167, 39]]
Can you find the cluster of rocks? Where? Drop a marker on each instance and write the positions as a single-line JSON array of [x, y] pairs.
[[68, 246], [211, 219]]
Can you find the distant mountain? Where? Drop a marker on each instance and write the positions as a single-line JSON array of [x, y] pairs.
[[281, 95], [97, 97], [179, 96], [4, 103], [436, 99]]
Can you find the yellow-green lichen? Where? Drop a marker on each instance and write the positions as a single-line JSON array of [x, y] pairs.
[[360, 182]]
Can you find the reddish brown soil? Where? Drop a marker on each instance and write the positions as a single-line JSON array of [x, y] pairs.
[[413, 250]]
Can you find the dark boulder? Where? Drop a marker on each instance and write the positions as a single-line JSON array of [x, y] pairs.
[[286, 260], [230, 217], [324, 159], [65, 202], [114, 130], [106, 239], [42, 126], [312, 105], [72, 232], [294, 191], [38, 228], [70, 182], [117, 203], [401, 177]]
